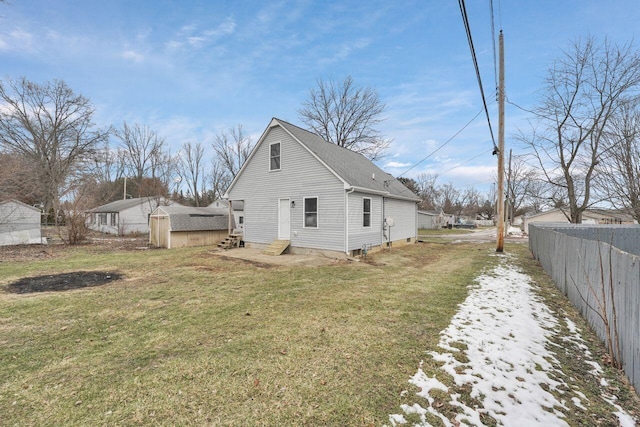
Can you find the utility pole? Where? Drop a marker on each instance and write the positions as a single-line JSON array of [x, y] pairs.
[[510, 196], [500, 231]]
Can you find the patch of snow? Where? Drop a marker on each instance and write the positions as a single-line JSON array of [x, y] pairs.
[[498, 346]]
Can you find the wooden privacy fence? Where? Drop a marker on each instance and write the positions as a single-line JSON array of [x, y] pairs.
[[598, 268]]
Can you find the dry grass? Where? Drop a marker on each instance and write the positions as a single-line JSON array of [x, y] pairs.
[[187, 338]]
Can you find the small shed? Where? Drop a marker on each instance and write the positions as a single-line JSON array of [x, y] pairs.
[[19, 224], [183, 226], [428, 220]]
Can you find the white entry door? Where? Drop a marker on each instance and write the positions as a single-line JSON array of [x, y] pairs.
[[284, 220]]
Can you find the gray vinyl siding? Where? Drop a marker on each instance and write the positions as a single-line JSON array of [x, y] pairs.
[[360, 235], [19, 224], [300, 175], [404, 218]]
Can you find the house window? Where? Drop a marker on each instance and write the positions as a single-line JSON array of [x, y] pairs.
[[274, 156], [311, 212], [240, 220], [366, 212], [103, 219], [113, 219]]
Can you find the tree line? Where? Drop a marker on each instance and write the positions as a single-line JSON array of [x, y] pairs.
[[581, 147]]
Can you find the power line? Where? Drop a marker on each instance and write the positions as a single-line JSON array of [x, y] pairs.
[[445, 143], [465, 21], [493, 43], [465, 162]]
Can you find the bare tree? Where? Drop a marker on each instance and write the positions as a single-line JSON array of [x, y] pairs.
[[428, 191], [619, 174], [220, 179], [582, 92], [191, 156], [346, 115], [449, 199], [523, 186], [141, 146], [17, 179], [51, 127], [232, 149]]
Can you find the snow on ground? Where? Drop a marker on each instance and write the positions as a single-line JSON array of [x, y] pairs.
[[497, 345]]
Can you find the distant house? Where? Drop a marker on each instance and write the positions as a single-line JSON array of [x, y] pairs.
[[434, 219], [125, 216], [184, 226], [237, 211], [19, 224], [428, 220], [590, 216], [298, 188]]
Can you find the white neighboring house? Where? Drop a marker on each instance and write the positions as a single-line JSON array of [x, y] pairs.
[[589, 216], [299, 188], [238, 214], [125, 216], [428, 220], [19, 224]]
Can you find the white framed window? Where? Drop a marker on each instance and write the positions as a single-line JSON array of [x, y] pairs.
[[113, 218], [103, 219], [366, 212], [274, 156], [310, 212]]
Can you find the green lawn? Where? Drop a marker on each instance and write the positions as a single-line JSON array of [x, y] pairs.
[[188, 338]]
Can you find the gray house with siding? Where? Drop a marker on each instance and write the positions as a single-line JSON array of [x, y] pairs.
[[19, 224], [125, 216], [297, 187]]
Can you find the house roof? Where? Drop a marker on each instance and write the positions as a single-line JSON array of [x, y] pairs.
[[355, 170], [120, 205], [18, 202], [429, 213], [589, 213], [238, 205], [186, 218]]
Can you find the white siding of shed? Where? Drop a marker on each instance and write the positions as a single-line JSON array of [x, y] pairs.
[[301, 175]]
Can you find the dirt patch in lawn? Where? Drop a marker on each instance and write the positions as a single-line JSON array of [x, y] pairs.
[[62, 282]]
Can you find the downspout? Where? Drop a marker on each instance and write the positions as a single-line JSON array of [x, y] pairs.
[[384, 224], [230, 213], [346, 219]]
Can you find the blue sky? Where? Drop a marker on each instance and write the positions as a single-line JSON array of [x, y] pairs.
[[190, 69]]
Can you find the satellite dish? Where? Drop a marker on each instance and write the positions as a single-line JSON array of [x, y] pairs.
[[389, 221]]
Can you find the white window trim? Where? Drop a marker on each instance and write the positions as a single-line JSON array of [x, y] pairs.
[[279, 156], [363, 212], [304, 213]]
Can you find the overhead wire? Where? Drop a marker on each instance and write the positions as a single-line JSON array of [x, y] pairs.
[[484, 153], [443, 144], [493, 44], [465, 21]]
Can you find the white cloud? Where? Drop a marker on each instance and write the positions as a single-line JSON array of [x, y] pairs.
[[132, 55], [396, 165], [16, 40], [190, 36]]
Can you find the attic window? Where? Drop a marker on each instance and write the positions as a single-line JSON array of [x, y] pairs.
[[274, 156]]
